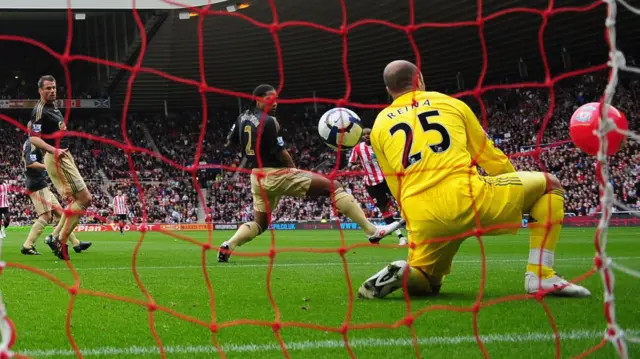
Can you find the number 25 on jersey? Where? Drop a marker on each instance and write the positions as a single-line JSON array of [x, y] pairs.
[[409, 155]]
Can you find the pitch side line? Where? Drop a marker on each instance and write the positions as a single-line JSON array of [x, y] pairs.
[[324, 264], [322, 344]]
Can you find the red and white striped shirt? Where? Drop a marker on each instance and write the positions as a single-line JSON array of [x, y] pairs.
[[4, 195], [120, 204], [369, 164]]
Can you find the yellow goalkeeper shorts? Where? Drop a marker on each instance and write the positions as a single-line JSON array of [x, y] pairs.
[[499, 204]]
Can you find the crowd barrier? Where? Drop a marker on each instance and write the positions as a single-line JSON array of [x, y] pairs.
[[617, 220]]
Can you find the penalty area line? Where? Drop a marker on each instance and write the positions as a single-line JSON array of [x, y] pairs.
[[322, 344]]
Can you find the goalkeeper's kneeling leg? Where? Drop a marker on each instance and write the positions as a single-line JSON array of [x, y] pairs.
[[391, 278]]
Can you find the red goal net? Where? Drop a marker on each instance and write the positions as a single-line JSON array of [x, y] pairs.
[[603, 264]]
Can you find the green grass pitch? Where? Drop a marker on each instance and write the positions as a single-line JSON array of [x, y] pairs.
[[309, 288]]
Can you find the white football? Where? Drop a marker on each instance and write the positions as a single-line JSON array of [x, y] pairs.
[[340, 128]]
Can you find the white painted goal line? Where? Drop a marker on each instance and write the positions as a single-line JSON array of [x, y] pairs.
[[324, 344], [224, 266]]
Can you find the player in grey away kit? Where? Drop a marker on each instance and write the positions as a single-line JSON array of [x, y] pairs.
[[45, 203]]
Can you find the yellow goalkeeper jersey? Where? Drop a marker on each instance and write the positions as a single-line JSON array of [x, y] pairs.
[[426, 138]]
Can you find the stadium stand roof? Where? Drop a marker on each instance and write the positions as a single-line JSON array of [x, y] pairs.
[[102, 5], [239, 55]]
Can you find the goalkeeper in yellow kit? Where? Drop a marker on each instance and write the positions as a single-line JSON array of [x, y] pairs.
[[428, 145]]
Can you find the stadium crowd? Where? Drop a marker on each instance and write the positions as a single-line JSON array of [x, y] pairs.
[[514, 119], [20, 82]]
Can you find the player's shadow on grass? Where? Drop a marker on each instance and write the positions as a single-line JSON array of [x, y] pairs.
[[469, 297], [465, 297], [443, 296]]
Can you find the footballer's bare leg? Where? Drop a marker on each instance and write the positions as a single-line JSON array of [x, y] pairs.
[[29, 248], [78, 246], [301, 184], [81, 201], [387, 214], [347, 205], [245, 233], [4, 223]]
